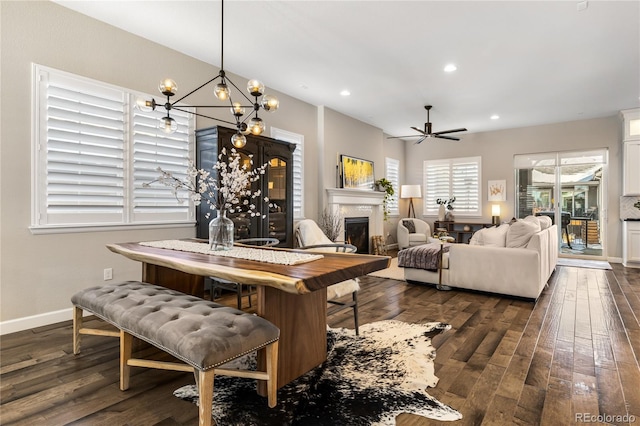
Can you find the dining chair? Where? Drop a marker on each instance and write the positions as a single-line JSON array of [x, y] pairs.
[[219, 284], [310, 237]]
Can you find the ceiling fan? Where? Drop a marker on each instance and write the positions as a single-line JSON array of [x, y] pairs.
[[427, 133]]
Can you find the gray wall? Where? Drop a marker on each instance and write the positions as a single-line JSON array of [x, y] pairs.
[[39, 273], [498, 148]]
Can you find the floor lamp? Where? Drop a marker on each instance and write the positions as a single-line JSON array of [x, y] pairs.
[[410, 192]]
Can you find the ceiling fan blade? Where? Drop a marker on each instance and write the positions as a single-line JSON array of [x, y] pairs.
[[462, 129], [403, 137], [445, 137], [419, 131], [420, 140]]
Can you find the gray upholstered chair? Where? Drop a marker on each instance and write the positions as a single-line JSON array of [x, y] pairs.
[[219, 284], [309, 236], [413, 232]]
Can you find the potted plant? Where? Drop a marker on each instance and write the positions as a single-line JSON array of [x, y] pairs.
[[385, 186]]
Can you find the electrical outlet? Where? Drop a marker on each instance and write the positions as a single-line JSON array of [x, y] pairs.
[[108, 274]]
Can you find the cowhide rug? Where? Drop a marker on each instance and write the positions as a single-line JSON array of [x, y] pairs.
[[366, 380]]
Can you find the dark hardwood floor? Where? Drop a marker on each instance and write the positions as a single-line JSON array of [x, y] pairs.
[[505, 361]]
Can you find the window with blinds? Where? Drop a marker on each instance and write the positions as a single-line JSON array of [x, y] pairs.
[[392, 174], [298, 177], [455, 177], [94, 150]]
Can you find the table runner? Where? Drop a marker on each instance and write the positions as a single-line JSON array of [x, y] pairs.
[[280, 257]]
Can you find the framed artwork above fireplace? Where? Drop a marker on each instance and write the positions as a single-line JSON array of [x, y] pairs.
[[356, 173]]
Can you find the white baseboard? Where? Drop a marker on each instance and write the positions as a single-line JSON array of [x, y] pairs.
[[21, 324]]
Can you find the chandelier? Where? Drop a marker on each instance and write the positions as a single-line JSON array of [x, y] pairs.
[[251, 123]]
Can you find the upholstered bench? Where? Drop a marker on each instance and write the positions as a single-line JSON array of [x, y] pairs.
[[201, 333]]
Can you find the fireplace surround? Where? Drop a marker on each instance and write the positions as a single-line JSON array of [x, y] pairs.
[[355, 203]]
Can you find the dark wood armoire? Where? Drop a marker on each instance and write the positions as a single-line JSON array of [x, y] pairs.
[[276, 183]]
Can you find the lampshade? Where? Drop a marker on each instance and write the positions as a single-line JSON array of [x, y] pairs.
[[410, 191], [495, 210]]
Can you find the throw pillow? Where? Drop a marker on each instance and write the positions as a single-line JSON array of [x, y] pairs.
[[520, 233], [477, 238], [496, 236], [410, 226], [545, 222]]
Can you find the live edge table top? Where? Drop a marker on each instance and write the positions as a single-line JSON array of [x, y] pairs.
[[297, 279]]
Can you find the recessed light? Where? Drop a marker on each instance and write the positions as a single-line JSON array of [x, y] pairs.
[[495, 116], [450, 68], [345, 93]]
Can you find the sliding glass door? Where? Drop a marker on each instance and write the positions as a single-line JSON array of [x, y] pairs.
[[568, 187]]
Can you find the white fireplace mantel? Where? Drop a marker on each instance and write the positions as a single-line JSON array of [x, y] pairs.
[[345, 201]]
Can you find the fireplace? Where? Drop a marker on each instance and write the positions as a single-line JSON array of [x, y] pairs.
[[356, 232]]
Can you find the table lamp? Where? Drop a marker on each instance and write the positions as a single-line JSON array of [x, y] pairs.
[[410, 192], [495, 213]]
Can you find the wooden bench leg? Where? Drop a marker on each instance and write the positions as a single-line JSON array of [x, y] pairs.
[[205, 391], [126, 347], [272, 372], [77, 325]]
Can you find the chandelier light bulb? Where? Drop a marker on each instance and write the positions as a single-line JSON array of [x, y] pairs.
[[238, 140], [145, 105], [270, 103], [256, 126], [168, 87], [255, 87], [237, 109], [221, 91], [169, 125]]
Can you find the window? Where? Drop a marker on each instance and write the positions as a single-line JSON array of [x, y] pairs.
[[93, 151], [455, 177], [392, 174], [298, 176]]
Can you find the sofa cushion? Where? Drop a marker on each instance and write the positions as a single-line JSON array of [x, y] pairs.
[[495, 236], [520, 233], [545, 222], [411, 227], [477, 238]]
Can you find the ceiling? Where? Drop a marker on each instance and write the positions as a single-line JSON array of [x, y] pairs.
[[531, 63]]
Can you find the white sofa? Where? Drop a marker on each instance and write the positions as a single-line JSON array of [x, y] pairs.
[[421, 234], [513, 259]]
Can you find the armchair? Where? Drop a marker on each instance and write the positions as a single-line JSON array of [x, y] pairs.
[[409, 236]]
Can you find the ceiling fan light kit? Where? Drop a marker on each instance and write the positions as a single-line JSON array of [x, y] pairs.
[[222, 91], [427, 132]]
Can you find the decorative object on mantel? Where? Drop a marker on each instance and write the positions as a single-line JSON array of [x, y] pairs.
[[356, 173], [330, 222], [222, 91], [354, 385], [383, 185], [445, 204], [229, 191], [411, 192], [497, 190]]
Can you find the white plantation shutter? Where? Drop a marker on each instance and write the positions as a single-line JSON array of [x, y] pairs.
[[298, 176], [153, 149], [392, 174], [81, 151], [93, 151], [448, 178]]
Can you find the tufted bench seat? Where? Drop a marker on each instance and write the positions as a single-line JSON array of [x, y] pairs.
[[201, 333]]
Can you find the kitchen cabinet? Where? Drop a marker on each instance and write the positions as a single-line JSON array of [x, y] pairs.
[[631, 243], [631, 152], [276, 184]]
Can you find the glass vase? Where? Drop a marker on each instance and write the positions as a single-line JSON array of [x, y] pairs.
[[221, 232]]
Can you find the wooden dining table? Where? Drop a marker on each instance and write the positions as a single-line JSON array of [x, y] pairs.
[[292, 297]]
